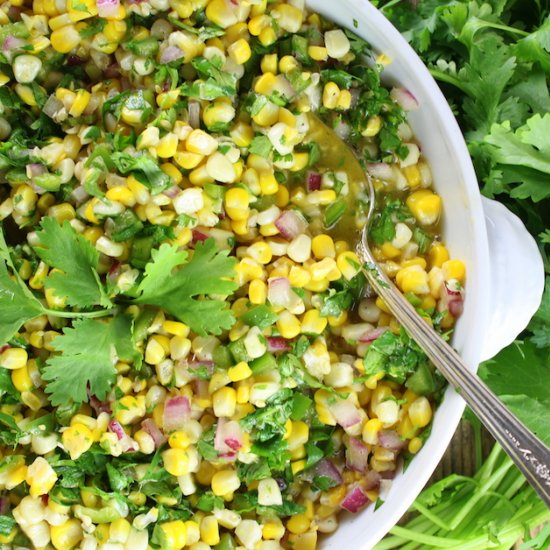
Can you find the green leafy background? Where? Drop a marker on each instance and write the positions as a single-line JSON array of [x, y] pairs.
[[492, 61]]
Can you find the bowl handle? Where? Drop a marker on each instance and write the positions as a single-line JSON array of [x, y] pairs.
[[517, 277]]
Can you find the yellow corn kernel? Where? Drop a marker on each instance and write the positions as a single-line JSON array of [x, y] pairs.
[[257, 292], [224, 402], [412, 173], [200, 142], [267, 36], [318, 53], [415, 444], [176, 461], [389, 251], [268, 64], [261, 252], [242, 134], [13, 358], [297, 466], [67, 535], [322, 246], [268, 183], [374, 124], [171, 171], [21, 379], [299, 161], [438, 255], [344, 100], [130, 409], [119, 530], [413, 279], [370, 431], [225, 482], [121, 194], [26, 94], [17, 474], [299, 277], [240, 51], [65, 39], [288, 325], [348, 263], [420, 412], [236, 203], [81, 101], [210, 533], [425, 206], [167, 146], [331, 94], [313, 323], [41, 477], [155, 352], [273, 529], [179, 440], [77, 439], [175, 534], [241, 371], [267, 116], [298, 524], [454, 269], [287, 64]]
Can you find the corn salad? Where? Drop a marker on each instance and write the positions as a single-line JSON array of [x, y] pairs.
[[190, 356]]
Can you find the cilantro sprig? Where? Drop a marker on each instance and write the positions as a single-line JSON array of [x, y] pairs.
[[182, 292], [76, 260]]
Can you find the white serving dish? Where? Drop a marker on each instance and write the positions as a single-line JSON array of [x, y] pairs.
[[505, 276]]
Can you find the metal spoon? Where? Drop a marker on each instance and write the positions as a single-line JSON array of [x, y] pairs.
[[526, 450]]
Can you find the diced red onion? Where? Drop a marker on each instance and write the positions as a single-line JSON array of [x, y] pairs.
[[313, 181], [172, 191], [199, 236], [388, 474], [153, 430], [34, 170], [229, 438], [280, 293], [404, 98], [171, 53], [456, 307], [277, 343], [112, 71], [107, 8], [372, 335], [345, 413], [194, 109], [12, 43], [176, 413], [370, 480], [357, 455], [390, 439], [381, 171], [195, 365], [326, 468], [45, 499], [98, 406], [291, 224], [4, 505], [354, 500], [116, 428], [456, 291], [73, 60]]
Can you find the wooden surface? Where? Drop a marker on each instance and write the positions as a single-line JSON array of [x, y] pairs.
[[460, 456]]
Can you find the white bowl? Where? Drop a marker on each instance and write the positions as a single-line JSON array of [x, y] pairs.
[[505, 276]]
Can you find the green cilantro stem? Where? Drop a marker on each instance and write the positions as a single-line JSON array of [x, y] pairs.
[[79, 314]]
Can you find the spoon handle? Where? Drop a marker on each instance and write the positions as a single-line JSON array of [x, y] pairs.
[[528, 453]]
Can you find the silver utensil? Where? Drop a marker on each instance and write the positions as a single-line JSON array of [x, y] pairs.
[[526, 450]]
